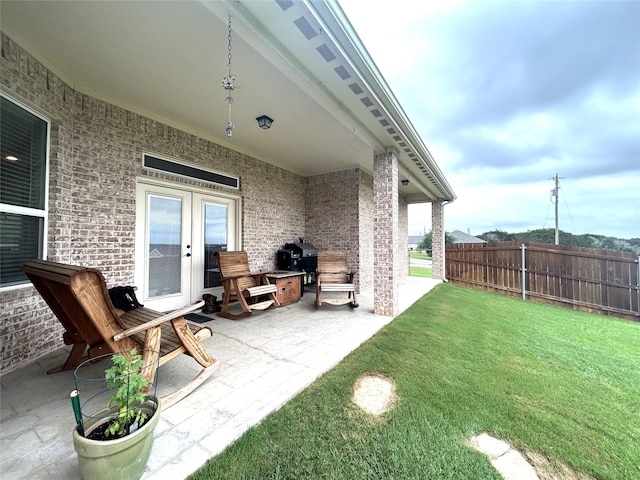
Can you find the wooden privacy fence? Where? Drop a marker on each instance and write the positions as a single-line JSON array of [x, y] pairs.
[[602, 281]]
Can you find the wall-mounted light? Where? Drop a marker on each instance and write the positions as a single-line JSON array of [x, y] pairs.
[[264, 122], [405, 182]]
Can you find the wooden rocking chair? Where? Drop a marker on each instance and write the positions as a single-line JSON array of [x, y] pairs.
[[333, 275], [79, 298], [239, 284]]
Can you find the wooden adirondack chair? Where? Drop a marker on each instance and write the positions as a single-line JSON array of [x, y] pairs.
[[79, 298], [333, 275], [239, 284]]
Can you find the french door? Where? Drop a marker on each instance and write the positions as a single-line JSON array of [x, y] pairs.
[[177, 233]]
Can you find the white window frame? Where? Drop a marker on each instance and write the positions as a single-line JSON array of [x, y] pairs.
[[32, 212]]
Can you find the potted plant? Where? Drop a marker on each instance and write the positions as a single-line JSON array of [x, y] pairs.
[[116, 441]]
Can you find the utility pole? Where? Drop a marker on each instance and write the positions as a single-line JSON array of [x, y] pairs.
[[555, 195]]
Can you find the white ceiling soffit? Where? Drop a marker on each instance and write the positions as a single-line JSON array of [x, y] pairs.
[[299, 62]]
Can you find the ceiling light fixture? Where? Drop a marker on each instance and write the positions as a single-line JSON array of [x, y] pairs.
[[264, 122], [405, 182], [227, 82]]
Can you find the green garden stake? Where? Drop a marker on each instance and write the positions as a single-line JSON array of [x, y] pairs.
[[75, 403]]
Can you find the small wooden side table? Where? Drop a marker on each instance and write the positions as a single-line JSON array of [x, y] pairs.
[[288, 285]]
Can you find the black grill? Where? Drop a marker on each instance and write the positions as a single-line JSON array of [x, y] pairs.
[[289, 260], [304, 249], [299, 257]]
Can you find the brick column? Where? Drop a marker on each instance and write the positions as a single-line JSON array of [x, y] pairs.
[[385, 233], [437, 240]]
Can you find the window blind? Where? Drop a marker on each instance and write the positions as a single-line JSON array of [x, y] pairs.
[[23, 145], [23, 169]]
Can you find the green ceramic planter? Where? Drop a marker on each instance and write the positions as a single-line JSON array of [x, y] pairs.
[[124, 458]]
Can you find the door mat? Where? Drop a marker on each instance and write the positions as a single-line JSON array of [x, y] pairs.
[[195, 317]]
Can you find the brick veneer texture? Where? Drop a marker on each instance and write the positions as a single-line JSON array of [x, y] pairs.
[[385, 232], [437, 222], [367, 214], [339, 216], [95, 158]]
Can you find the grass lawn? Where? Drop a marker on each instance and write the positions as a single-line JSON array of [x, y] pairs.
[[420, 272], [420, 255], [562, 384]]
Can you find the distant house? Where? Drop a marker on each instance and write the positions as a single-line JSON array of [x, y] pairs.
[[414, 241], [462, 237]]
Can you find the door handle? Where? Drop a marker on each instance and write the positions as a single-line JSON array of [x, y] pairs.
[[188, 254]]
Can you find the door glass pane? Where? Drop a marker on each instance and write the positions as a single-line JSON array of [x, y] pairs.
[[215, 238], [164, 252]]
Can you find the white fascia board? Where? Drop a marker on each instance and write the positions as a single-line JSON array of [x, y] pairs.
[[345, 39]]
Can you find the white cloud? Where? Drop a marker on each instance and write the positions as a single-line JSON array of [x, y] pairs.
[[505, 94]]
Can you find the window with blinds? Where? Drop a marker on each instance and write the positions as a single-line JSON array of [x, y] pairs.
[[23, 180]]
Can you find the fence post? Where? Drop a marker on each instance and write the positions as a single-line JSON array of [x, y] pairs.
[[524, 280]]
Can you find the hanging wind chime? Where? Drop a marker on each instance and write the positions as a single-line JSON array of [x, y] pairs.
[[227, 82]]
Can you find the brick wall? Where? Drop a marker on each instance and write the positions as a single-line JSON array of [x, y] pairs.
[[366, 231], [332, 213], [386, 233], [95, 157], [27, 326], [340, 215], [437, 240], [96, 151]]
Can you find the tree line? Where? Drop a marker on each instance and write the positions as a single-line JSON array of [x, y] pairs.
[[547, 235], [425, 243]]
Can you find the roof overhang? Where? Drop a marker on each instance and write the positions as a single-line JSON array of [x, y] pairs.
[[299, 62]]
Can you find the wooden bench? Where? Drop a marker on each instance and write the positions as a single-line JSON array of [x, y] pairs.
[[78, 296]]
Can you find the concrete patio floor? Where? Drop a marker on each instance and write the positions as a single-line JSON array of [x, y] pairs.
[[265, 360]]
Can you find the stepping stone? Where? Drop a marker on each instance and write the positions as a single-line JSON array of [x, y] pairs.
[[374, 394], [507, 461]]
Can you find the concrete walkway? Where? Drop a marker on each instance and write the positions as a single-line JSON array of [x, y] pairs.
[[266, 360]]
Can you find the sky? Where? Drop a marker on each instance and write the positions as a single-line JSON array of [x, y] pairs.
[[507, 94]]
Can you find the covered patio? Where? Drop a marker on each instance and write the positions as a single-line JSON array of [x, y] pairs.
[[265, 360], [140, 133]]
